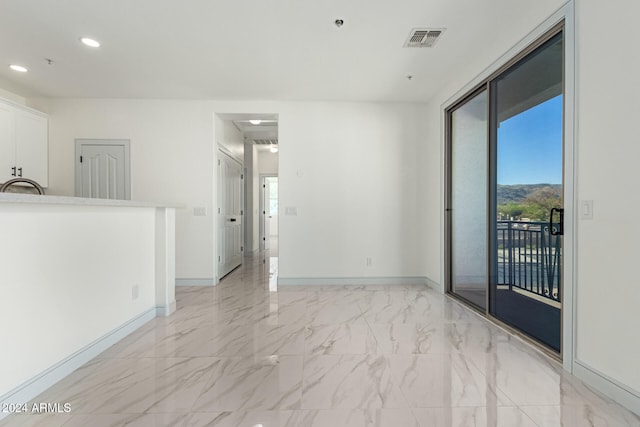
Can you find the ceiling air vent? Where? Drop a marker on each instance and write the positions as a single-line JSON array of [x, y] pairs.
[[266, 141], [423, 37]]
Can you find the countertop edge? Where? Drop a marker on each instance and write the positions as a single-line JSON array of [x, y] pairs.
[[36, 199]]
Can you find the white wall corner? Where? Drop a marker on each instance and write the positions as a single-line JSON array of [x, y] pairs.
[[436, 286], [613, 389], [166, 311]]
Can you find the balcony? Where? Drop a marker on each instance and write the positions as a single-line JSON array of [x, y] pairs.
[[528, 286], [529, 260]]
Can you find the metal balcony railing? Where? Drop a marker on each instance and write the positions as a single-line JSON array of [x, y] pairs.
[[529, 258]]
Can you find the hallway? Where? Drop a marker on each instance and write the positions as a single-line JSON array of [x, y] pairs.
[[240, 355]]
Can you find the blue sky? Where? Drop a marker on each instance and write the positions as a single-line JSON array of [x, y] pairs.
[[530, 146]]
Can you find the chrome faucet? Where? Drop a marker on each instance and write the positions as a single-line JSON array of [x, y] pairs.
[[9, 183]]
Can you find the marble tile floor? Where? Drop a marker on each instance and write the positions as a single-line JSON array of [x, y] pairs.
[[249, 354]]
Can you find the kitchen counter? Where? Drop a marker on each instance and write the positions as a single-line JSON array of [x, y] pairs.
[[79, 201], [77, 275]]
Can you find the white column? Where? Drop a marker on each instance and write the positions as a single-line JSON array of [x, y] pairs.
[[165, 261]]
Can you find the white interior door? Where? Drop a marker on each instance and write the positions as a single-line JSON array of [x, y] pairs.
[[102, 169], [268, 223], [230, 209], [266, 216], [271, 202]]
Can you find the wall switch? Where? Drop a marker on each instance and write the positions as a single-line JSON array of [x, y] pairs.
[[200, 211], [369, 262], [586, 209], [134, 292], [291, 210]]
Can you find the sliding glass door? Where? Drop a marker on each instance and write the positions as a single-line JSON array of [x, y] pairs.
[[526, 231], [468, 199], [505, 187]]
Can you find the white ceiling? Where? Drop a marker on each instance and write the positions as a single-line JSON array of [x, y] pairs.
[[252, 49]]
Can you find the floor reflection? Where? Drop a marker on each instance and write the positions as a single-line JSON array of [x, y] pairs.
[[273, 273]]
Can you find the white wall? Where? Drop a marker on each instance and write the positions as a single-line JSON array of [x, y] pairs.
[[351, 171], [430, 209], [68, 279], [171, 160], [608, 149], [255, 217], [251, 200], [267, 162], [358, 177]]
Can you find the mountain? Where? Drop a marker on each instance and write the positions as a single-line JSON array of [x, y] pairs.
[[517, 193]]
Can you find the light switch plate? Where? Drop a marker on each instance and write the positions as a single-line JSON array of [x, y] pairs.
[[291, 210], [200, 211], [586, 209]]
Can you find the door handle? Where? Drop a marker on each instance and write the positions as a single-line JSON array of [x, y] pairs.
[[233, 220], [560, 230], [13, 173], [20, 172]]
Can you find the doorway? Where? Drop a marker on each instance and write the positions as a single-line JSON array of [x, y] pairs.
[[103, 168], [230, 210], [269, 215], [505, 193]]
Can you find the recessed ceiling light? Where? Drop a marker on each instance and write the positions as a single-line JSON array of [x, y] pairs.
[[255, 122], [90, 42], [19, 68]]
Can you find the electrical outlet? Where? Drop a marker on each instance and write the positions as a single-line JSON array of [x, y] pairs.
[[200, 211], [134, 292]]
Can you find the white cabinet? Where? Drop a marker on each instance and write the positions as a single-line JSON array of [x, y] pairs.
[[7, 142], [23, 144]]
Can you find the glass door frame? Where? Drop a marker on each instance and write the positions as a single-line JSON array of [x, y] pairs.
[[562, 26], [448, 220]]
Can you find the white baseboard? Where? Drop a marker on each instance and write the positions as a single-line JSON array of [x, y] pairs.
[[165, 311], [35, 386], [611, 388], [195, 282], [434, 285], [348, 281]]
